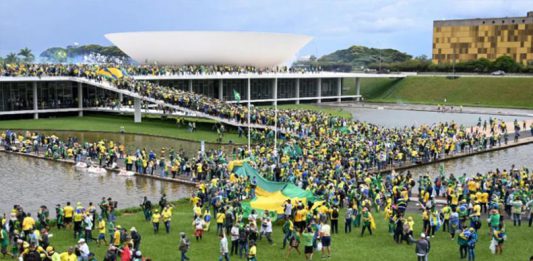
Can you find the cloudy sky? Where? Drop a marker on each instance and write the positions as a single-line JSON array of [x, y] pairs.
[[335, 24]]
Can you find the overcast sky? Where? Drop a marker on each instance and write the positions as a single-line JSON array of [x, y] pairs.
[[405, 25]]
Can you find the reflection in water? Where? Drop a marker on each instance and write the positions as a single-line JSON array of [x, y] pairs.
[[503, 159], [33, 182], [401, 118]]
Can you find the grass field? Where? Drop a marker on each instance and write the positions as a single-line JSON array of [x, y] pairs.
[[505, 92], [379, 246], [112, 123]]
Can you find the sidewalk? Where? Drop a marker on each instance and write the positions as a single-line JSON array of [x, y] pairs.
[[434, 108]]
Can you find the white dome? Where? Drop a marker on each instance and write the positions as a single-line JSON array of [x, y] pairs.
[[221, 48]]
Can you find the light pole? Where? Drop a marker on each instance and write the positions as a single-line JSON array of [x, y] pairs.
[[248, 97]]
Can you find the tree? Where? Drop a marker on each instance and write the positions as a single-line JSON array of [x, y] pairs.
[[54, 55], [11, 58], [506, 64], [27, 55]]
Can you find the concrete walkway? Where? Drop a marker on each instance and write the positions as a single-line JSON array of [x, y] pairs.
[[433, 108]]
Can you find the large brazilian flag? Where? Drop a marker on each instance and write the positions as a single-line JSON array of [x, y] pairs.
[[270, 195]]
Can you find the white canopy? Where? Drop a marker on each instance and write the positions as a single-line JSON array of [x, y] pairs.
[[221, 48]]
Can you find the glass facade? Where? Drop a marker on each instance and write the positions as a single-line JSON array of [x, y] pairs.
[[96, 97], [57, 95], [286, 88], [205, 87], [329, 87], [16, 96], [177, 84], [262, 89], [239, 85], [308, 88]]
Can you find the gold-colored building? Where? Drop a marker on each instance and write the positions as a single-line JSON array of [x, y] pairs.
[[471, 39]]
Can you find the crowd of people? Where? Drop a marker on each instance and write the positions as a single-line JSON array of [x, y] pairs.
[[146, 69], [449, 206], [339, 160], [367, 145]]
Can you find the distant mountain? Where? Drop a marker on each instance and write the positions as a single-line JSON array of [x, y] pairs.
[[362, 56]]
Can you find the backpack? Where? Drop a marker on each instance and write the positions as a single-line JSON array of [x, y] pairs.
[[335, 214], [32, 256], [110, 256]]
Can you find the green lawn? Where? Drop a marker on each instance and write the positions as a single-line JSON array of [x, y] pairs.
[[370, 87], [112, 123], [332, 111], [380, 246], [505, 92]]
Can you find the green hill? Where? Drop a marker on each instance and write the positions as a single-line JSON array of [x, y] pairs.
[[358, 56], [502, 92]]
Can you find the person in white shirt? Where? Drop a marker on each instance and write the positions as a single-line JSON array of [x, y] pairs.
[[287, 208], [266, 227], [199, 224], [325, 237], [88, 221], [234, 239], [223, 248], [84, 250]]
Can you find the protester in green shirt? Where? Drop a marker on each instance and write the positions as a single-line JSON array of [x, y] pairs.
[[307, 241]]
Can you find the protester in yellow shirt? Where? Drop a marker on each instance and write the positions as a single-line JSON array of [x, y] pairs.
[[220, 221], [116, 236], [68, 211], [69, 255], [101, 232], [167, 215], [27, 224], [155, 220]]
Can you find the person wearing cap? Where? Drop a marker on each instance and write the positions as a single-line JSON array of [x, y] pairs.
[[252, 253], [167, 217], [366, 217], [52, 254], [183, 246], [136, 238], [155, 220], [422, 247], [84, 250], [116, 236], [31, 252], [472, 240]]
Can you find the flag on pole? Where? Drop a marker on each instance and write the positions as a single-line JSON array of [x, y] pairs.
[[236, 95]]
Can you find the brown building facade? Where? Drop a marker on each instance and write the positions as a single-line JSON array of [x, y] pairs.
[[471, 39]]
